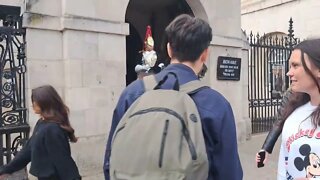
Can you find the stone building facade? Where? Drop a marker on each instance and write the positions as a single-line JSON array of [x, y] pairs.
[[84, 49], [272, 16]]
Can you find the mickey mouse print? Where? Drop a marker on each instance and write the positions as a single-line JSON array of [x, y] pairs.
[[300, 147], [309, 163]]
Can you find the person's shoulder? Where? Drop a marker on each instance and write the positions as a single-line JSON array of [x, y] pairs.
[[213, 95], [134, 87], [212, 104], [208, 99], [52, 127]]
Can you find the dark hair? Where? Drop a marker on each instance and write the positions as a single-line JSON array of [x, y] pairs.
[[53, 108], [188, 37], [311, 48]]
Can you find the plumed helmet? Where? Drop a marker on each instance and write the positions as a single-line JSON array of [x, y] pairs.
[[148, 40]]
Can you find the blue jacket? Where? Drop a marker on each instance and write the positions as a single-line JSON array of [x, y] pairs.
[[218, 123]]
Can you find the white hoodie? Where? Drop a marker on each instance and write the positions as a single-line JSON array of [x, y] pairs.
[[300, 146]]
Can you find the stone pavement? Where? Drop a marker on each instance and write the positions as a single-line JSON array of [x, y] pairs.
[[19, 175], [247, 152]]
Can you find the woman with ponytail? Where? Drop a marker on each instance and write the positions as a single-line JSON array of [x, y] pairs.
[[48, 149]]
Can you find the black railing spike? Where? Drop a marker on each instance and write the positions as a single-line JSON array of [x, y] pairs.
[[250, 37], [267, 53], [276, 39], [291, 40], [264, 39], [270, 40]]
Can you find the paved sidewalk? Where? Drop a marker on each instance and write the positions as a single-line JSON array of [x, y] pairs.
[[248, 150]]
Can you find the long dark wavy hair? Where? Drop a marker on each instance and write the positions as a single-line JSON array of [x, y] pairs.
[[53, 108], [311, 48]]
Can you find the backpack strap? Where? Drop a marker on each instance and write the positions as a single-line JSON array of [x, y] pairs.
[[193, 86], [149, 82]]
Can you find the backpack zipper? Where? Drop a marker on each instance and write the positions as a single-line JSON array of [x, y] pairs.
[[163, 142], [185, 131]]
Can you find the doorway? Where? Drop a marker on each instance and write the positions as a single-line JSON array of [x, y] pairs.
[[158, 14]]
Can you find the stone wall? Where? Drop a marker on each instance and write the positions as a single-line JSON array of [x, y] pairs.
[[273, 16], [83, 56]]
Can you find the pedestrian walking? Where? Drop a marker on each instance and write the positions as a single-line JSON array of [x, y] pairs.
[[188, 39], [48, 148]]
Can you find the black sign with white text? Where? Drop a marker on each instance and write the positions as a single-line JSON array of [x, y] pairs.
[[228, 68]]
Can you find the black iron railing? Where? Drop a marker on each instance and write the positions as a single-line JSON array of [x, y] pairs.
[[14, 129], [268, 64]]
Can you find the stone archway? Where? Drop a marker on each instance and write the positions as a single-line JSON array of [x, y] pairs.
[[157, 14], [198, 9]]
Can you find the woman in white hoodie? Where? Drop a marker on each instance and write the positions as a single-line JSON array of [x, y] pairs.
[[300, 146]]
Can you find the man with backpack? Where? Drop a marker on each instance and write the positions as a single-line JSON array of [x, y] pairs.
[[171, 126]]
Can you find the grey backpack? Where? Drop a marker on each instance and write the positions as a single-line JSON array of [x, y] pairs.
[[160, 136]]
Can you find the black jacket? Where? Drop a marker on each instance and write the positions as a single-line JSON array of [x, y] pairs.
[[276, 130], [48, 149]]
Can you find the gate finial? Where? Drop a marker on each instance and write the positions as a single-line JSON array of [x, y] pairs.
[[291, 41]]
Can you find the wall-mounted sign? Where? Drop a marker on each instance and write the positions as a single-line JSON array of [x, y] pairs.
[[228, 68]]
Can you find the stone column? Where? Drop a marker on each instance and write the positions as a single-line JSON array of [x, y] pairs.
[[228, 41], [74, 47]]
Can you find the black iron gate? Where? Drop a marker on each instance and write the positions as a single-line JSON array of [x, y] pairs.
[[14, 129], [268, 64]]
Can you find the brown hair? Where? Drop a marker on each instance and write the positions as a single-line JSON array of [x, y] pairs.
[[311, 48], [53, 108]]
